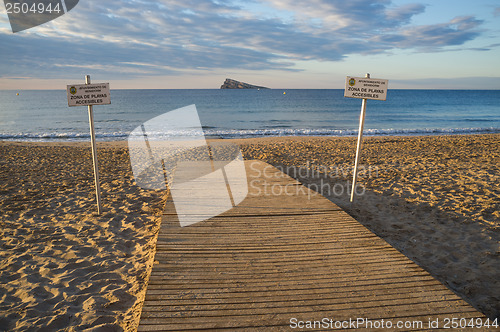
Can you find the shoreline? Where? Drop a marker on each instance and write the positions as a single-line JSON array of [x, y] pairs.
[[434, 198], [122, 143]]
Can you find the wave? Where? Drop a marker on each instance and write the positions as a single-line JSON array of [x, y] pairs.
[[478, 120], [247, 133], [42, 137]]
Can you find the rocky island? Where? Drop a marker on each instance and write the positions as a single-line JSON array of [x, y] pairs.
[[233, 84]]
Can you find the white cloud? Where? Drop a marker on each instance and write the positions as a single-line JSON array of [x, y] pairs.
[[173, 36]]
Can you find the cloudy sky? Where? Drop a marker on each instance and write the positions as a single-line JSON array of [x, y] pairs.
[[276, 43]]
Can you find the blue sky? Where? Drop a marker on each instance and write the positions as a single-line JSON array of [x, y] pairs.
[[275, 43]]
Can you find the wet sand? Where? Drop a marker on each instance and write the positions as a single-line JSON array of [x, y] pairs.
[[436, 199]]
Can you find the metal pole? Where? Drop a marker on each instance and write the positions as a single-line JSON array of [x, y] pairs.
[[94, 154], [358, 147]]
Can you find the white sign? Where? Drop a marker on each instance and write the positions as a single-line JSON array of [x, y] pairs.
[[88, 94], [366, 88]]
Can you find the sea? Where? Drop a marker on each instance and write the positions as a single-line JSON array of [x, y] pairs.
[[44, 115]]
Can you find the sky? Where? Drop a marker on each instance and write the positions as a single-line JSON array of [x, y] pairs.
[[139, 44]]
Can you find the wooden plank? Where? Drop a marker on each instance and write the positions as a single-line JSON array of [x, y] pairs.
[[277, 257]]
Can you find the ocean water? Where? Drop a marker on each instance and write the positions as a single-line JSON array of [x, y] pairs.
[[45, 115]]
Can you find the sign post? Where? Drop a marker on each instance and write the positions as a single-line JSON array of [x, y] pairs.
[[364, 88], [90, 94]]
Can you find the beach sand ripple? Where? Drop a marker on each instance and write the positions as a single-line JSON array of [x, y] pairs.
[[61, 266], [436, 199]]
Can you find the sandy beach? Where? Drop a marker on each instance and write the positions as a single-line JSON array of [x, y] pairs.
[[434, 198], [61, 266]]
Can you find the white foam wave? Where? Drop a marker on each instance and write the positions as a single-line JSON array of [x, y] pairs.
[[248, 133]]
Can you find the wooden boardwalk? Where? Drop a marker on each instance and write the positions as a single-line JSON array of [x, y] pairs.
[[279, 259]]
